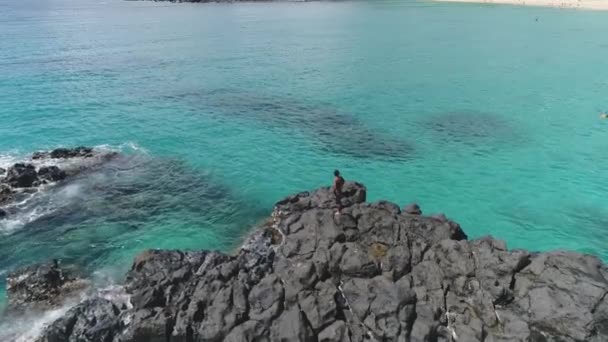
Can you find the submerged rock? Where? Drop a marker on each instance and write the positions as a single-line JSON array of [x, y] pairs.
[[332, 129], [64, 153], [471, 127], [42, 285], [369, 273]]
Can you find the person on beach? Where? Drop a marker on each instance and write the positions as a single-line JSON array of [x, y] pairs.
[[337, 187]]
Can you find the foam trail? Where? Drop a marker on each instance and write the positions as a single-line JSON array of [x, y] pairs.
[[30, 325], [37, 205], [9, 159], [30, 205], [17, 222], [132, 146]]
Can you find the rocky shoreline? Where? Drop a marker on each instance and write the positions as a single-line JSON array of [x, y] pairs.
[[374, 273], [44, 168]]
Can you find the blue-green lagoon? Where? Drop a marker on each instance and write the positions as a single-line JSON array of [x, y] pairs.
[[480, 112]]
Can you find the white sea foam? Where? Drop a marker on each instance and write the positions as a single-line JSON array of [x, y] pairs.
[[38, 204], [70, 191], [29, 326], [117, 294], [45, 200], [125, 147], [20, 219], [31, 206], [27, 329], [133, 146], [7, 160]]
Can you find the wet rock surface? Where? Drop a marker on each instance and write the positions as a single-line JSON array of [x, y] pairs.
[[371, 273], [28, 177], [51, 173], [21, 176], [65, 153], [6, 193], [41, 286], [93, 320]]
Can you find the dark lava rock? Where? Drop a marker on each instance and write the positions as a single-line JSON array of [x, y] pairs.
[[6, 193], [368, 273], [3, 213], [21, 176], [2, 171], [94, 320], [51, 173], [64, 153], [412, 209], [40, 155], [43, 285]]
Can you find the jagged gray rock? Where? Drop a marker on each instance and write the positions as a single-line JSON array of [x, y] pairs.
[[93, 320], [369, 273]]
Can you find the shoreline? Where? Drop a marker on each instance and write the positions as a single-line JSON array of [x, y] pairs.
[[375, 271], [596, 5]]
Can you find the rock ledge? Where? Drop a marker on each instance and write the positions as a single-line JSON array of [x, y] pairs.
[[373, 273]]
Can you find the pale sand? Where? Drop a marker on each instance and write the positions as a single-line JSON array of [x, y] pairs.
[[580, 4]]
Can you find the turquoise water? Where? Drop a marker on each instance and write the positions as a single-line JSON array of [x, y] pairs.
[[480, 112]]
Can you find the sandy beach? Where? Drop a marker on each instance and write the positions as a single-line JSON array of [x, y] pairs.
[[601, 5]]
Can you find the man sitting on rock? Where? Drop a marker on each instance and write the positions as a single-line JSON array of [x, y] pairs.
[[338, 184]]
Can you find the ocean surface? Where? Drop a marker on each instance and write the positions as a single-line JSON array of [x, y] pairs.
[[489, 114]]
